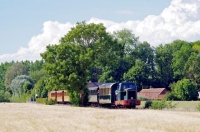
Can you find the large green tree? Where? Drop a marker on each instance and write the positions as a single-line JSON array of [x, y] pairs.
[[179, 59], [69, 62], [125, 43], [163, 60]]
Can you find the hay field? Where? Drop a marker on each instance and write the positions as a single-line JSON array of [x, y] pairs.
[[29, 117]]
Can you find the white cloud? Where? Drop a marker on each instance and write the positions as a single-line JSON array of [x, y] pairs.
[[181, 20], [51, 34]]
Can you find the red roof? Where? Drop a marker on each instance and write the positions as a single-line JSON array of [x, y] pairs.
[[152, 90], [153, 93]]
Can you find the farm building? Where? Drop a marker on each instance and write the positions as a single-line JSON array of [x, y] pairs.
[[153, 93]]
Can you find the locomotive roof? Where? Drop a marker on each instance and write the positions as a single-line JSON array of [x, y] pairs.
[[106, 85]]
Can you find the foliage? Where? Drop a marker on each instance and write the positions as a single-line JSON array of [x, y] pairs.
[[22, 99], [148, 104], [41, 100], [4, 97], [74, 98], [192, 67], [185, 90], [50, 102], [163, 60], [36, 75], [156, 104], [68, 63], [27, 87], [21, 84], [179, 59], [142, 98], [138, 74], [3, 69], [170, 96], [13, 71], [40, 87]]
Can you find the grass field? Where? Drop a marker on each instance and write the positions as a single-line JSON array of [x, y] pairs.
[[29, 117]]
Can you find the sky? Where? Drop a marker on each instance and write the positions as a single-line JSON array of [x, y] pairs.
[[27, 27]]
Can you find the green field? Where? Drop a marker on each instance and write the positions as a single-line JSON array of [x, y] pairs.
[[180, 105]]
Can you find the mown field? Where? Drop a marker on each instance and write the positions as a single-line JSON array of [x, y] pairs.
[[29, 117]]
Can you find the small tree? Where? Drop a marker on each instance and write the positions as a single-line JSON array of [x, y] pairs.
[[185, 90], [21, 84]]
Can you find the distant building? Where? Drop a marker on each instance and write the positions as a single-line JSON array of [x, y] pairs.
[[153, 93]]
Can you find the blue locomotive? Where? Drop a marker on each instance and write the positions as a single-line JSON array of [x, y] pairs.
[[122, 94]]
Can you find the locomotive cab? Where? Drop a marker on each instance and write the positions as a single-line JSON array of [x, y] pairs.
[[127, 95]]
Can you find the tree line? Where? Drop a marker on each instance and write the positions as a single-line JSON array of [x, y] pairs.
[[89, 53]]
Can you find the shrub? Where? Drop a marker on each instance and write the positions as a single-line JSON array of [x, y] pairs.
[[3, 99], [148, 104], [50, 102], [171, 96], [156, 104], [142, 98], [23, 98], [41, 100], [74, 98]]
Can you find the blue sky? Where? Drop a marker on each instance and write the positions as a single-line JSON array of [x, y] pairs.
[[27, 25]]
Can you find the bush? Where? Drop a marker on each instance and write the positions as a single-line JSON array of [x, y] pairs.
[[74, 98], [50, 102], [156, 104], [148, 104], [170, 96], [3, 99], [142, 98], [41, 100], [22, 99]]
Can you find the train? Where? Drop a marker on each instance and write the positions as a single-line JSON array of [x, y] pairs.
[[122, 94]]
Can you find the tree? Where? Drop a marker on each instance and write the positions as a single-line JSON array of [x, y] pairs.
[[69, 62], [179, 59], [138, 74], [13, 71], [36, 75], [163, 60], [21, 84], [40, 87], [192, 67], [3, 69], [185, 90], [66, 64], [125, 43]]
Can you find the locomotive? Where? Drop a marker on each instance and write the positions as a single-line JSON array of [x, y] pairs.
[[122, 94]]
